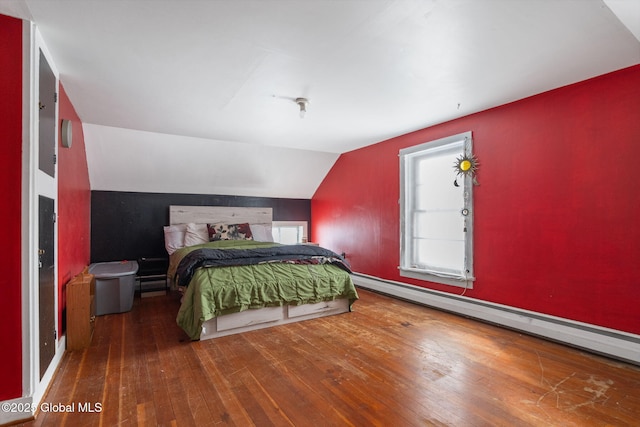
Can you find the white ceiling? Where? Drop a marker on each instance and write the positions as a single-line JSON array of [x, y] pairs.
[[187, 84]]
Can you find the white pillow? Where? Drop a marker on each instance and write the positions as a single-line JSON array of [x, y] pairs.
[[174, 237], [261, 233], [196, 234]]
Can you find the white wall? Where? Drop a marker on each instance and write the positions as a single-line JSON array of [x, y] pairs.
[[130, 160]]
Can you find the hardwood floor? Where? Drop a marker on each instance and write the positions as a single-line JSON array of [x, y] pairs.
[[387, 363]]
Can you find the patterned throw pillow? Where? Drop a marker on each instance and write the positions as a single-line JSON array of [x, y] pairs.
[[229, 232]]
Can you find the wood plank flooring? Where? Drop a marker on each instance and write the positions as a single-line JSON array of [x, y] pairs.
[[387, 363]]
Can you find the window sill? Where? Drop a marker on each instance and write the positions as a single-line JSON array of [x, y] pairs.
[[460, 281]]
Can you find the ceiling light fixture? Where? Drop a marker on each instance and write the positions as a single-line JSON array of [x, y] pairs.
[[302, 103]]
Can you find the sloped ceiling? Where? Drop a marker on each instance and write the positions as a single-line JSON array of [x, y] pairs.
[[196, 96]]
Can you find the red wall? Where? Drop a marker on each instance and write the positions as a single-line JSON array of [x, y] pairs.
[[74, 204], [556, 211], [10, 211]]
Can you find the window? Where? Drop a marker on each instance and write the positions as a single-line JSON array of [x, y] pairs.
[[289, 232], [436, 212]]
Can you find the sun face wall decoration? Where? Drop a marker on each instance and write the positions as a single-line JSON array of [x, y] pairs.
[[466, 165]]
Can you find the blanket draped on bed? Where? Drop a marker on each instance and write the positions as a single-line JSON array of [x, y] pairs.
[[301, 254], [233, 279]]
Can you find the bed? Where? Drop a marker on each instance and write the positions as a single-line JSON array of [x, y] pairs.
[[234, 278]]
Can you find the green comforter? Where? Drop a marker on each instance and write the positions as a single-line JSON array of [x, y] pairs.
[[216, 291]]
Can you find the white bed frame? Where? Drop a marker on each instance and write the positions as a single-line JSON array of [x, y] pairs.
[[252, 319]]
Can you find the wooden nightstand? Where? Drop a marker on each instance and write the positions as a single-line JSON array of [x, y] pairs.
[[81, 309]]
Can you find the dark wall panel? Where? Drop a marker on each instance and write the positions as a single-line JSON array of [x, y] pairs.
[[127, 225]]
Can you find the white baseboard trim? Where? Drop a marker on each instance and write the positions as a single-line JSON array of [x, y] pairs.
[[18, 410], [609, 342], [23, 409]]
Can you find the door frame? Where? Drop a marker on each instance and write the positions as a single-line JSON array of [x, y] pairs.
[[34, 184]]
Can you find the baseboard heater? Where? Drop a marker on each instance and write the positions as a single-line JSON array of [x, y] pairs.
[[608, 342]]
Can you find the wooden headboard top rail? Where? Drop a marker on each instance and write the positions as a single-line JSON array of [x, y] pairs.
[[219, 215]]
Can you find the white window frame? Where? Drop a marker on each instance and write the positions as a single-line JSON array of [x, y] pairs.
[[462, 275], [303, 224]]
